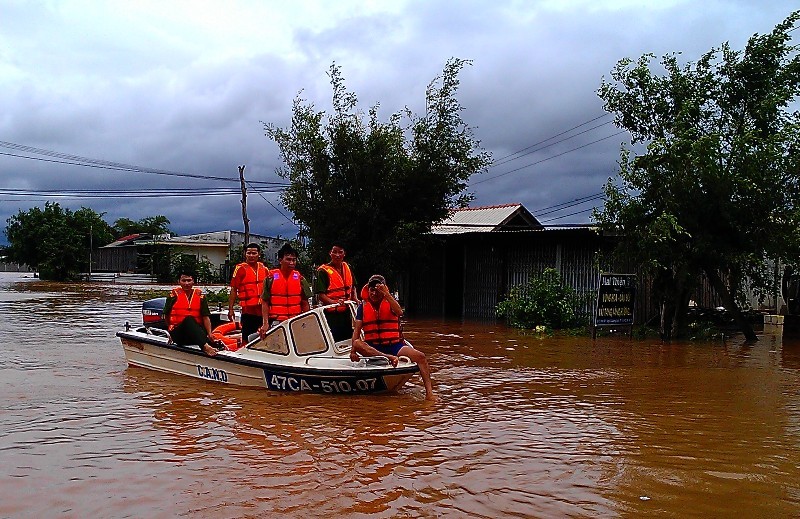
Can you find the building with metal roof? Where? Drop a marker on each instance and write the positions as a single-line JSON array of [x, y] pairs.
[[493, 218]]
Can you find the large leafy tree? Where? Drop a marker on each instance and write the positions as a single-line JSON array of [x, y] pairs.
[[56, 241], [710, 183], [377, 187]]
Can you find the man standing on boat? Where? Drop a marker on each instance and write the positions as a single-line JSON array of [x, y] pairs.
[[335, 284], [187, 315], [379, 318], [247, 283], [286, 291]]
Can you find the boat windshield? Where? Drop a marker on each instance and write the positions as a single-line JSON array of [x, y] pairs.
[[274, 342], [308, 335]]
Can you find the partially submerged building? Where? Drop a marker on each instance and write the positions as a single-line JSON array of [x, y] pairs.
[[479, 253]]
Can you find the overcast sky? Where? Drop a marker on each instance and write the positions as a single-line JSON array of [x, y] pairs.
[[184, 87]]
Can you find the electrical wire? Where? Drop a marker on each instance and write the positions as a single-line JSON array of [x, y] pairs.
[[548, 158], [74, 160], [508, 158]]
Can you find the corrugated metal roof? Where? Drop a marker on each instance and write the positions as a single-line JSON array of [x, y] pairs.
[[482, 219], [125, 240]]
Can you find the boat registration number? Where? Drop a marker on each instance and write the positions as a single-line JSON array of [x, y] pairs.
[[316, 385]]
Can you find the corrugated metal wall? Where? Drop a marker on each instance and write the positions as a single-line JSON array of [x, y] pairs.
[[114, 259], [494, 262], [507, 260], [484, 278]]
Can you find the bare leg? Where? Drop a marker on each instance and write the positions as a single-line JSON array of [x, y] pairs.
[[424, 369], [209, 350], [364, 349]]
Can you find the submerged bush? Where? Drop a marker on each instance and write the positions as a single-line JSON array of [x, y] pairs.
[[543, 301]]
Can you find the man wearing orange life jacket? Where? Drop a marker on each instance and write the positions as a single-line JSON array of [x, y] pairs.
[[286, 291], [187, 316], [335, 284], [247, 283], [378, 317]]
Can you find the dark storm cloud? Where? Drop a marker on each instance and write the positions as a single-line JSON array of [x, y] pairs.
[[169, 91]]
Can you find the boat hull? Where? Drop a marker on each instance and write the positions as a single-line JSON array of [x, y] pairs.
[[315, 374]]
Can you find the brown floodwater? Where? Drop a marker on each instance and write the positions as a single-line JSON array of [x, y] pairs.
[[525, 426]]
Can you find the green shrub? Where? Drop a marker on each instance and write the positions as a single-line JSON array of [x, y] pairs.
[[543, 301]]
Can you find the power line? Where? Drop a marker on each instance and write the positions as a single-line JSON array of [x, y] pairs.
[[75, 160], [502, 160], [548, 158], [77, 194], [567, 205], [566, 215], [551, 144], [273, 205]]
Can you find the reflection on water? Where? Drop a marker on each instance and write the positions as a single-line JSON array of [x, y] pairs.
[[525, 426]]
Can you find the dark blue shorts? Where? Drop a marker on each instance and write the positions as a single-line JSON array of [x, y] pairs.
[[389, 349]]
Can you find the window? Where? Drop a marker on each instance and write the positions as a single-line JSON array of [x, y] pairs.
[[275, 342], [308, 336]]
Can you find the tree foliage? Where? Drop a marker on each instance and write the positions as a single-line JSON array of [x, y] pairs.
[[154, 225], [716, 190], [377, 187], [56, 241], [544, 301]]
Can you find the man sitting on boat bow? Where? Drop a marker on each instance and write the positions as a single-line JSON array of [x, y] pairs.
[[188, 317]]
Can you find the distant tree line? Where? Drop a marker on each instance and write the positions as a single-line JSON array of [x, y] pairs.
[[56, 241]]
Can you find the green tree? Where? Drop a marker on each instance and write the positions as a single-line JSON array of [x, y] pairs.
[[716, 190], [154, 225], [205, 271], [377, 187], [56, 241]]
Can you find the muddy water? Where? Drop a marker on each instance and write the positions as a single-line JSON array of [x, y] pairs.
[[525, 426]]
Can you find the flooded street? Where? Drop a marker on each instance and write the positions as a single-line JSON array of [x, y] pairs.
[[525, 426]]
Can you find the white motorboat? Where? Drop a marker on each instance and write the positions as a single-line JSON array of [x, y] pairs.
[[297, 355]]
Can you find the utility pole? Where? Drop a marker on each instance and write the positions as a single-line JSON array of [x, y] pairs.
[[90, 252], [244, 206]]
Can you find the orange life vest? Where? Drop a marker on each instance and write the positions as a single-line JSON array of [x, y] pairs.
[[185, 306], [251, 286], [285, 295], [381, 326], [338, 288]]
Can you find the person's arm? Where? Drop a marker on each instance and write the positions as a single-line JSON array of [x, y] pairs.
[[265, 307], [205, 314], [355, 347], [232, 295], [231, 300], [354, 292], [207, 325], [306, 294], [321, 285], [393, 304], [168, 308]]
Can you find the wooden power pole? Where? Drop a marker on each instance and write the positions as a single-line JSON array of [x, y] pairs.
[[244, 207]]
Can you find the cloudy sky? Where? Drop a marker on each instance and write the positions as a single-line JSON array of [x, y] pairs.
[[183, 87]]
